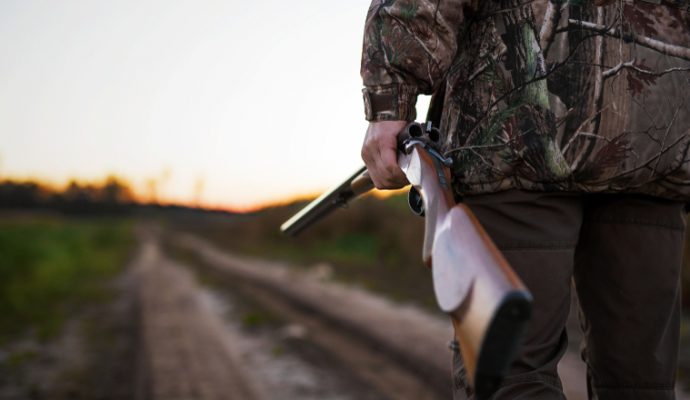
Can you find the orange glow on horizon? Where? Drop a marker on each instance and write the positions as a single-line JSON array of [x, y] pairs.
[[147, 198], [183, 127]]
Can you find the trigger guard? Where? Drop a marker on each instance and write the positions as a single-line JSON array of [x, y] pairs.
[[415, 201]]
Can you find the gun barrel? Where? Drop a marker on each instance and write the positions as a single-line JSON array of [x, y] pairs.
[[357, 184]]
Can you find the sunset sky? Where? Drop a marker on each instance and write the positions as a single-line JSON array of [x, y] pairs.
[[238, 103]]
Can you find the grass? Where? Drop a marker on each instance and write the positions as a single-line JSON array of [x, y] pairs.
[[50, 265]]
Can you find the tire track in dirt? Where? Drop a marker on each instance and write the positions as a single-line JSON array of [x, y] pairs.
[[362, 359], [410, 337], [184, 351], [399, 350]]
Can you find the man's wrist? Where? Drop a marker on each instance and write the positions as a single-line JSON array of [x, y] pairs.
[[389, 103]]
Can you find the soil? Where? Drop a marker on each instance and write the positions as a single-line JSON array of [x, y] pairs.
[[191, 321]]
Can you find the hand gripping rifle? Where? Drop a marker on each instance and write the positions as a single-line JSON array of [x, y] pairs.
[[488, 304]]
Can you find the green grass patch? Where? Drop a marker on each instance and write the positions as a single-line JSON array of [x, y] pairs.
[[50, 265], [255, 319], [349, 248]]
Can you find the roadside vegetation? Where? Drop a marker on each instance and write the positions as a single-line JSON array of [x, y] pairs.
[[373, 243], [50, 265]]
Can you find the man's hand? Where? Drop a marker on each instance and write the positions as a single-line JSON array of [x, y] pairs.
[[380, 154]]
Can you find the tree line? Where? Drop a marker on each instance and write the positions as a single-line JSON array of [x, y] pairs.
[[113, 195]]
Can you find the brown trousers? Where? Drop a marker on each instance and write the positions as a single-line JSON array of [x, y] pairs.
[[624, 254]]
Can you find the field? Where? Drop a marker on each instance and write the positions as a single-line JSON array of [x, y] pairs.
[[49, 266]]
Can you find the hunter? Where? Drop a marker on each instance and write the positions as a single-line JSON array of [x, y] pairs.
[[568, 123]]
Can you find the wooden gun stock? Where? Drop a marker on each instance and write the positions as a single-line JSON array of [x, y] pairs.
[[474, 284]]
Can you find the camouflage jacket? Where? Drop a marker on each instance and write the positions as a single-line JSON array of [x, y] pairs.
[[567, 95]]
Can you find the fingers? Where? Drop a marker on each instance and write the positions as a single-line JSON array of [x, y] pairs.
[[394, 176], [380, 154]]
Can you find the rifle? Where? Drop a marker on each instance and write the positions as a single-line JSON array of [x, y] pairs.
[[488, 305]]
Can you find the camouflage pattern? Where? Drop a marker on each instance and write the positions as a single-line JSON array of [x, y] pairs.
[[566, 95]]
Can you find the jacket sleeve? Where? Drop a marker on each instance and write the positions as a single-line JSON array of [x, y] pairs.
[[408, 47]]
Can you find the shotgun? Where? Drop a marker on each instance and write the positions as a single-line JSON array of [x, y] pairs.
[[488, 305]]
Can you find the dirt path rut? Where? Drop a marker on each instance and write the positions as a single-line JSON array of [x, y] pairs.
[[386, 350], [186, 354]]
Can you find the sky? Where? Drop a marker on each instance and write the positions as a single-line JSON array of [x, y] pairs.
[[222, 103]]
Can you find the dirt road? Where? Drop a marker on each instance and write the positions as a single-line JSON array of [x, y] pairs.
[[188, 320], [186, 352], [330, 341], [381, 349]]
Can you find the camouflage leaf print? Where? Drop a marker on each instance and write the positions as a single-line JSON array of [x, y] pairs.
[[568, 95]]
